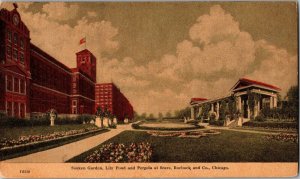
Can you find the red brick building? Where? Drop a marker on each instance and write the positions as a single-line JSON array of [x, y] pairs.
[[110, 97], [32, 81]]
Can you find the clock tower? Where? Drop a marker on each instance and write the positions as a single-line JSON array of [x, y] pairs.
[[86, 63], [15, 76]]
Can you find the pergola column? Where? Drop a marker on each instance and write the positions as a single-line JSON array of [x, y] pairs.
[[192, 113], [200, 111], [275, 101], [212, 107], [257, 108], [239, 103], [271, 102], [218, 108]]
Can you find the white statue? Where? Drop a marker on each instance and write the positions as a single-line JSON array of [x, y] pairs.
[[126, 120], [52, 116]]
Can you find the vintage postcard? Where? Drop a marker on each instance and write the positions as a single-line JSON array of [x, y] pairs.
[[149, 89]]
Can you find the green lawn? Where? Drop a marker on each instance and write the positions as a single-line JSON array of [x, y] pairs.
[[16, 132], [229, 146]]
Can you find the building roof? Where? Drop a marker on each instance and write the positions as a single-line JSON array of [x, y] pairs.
[[198, 99], [85, 51], [249, 82], [193, 100]]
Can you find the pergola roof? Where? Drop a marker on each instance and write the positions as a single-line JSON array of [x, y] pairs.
[[245, 82]]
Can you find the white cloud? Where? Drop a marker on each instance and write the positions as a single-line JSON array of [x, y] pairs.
[[205, 65], [61, 11], [51, 35], [278, 67], [92, 14]]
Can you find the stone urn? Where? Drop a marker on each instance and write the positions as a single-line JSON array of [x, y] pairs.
[[109, 122], [98, 122], [240, 121], [115, 121], [106, 122], [185, 120], [52, 117], [92, 122]]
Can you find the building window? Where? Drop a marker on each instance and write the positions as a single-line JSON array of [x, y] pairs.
[[8, 51], [9, 35], [74, 103], [22, 58], [22, 86], [22, 43], [15, 54], [9, 83], [15, 38], [16, 85]]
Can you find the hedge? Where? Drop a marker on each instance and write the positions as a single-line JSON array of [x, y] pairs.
[[43, 121], [286, 125]]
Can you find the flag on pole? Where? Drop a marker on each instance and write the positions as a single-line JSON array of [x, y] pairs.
[[82, 41]]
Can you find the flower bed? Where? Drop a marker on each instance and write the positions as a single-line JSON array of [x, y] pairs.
[[116, 153], [4, 143], [284, 137], [190, 134]]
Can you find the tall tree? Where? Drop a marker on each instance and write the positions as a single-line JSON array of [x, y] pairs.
[[160, 115], [168, 114]]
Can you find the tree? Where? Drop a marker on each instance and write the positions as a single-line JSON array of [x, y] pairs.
[[232, 109], [222, 110], [205, 110], [144, 115], [160, 115], [151, 116], [168, 114], [293, 101], [100, 113], [177, 113]]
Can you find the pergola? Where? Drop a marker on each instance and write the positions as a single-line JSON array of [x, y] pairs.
[[245, 90]]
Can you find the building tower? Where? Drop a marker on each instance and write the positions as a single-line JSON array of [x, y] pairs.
[[86, 63], [83, 83], [14, 64]]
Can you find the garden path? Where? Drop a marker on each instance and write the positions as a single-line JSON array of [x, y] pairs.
[[63, 153]]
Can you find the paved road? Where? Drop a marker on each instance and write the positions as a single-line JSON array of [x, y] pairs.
[[68, 151]]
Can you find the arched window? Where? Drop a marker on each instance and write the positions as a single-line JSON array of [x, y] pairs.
[[15, 38]]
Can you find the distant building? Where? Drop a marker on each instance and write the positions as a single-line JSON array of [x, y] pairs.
[[110, 97], [33, 82], [265, 96]]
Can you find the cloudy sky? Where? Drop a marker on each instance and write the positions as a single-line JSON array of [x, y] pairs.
[[162, 54]]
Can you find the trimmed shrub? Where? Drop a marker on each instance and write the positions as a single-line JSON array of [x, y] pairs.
[[84, 117], [260, 118], [43, 121], [280, 125], [216, 122]]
